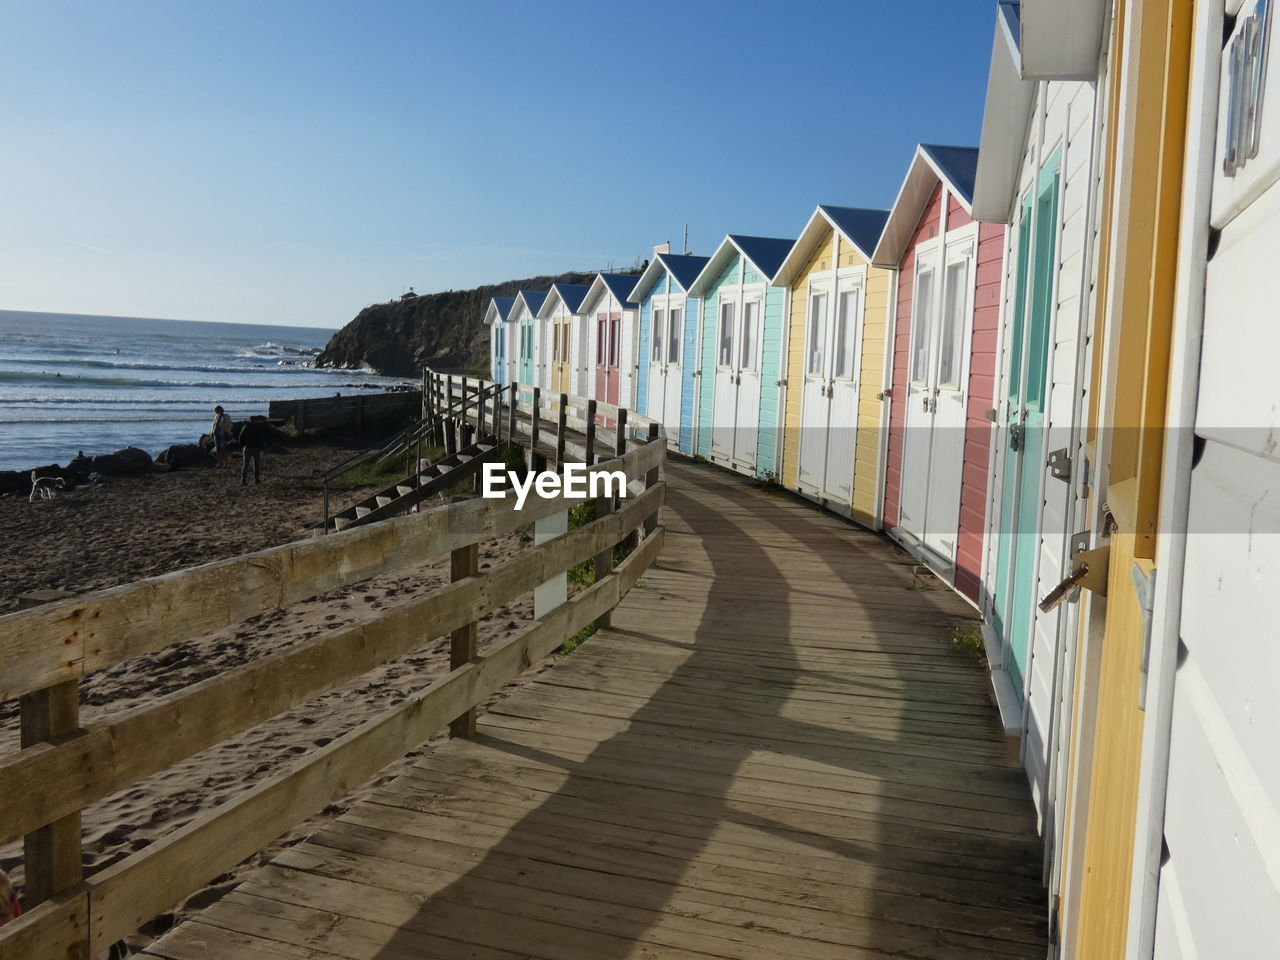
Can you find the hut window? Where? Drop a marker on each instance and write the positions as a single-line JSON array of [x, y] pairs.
[[673, 336], [726, 334], [846, 323], [922, 325], [656, 353], [953, 323], [817, 332], [614, 324], [750, 334], [602, 335]]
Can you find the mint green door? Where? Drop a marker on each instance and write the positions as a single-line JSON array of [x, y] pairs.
[[1024, 454]]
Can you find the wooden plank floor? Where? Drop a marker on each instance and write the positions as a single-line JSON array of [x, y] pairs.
[[773, 754]]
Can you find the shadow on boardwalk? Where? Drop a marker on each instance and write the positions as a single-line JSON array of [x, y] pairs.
[[773, 754]]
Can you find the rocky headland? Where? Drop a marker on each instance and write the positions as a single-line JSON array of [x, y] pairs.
[[444, 331]]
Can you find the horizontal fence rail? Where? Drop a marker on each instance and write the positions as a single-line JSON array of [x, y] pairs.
[[63, 766]]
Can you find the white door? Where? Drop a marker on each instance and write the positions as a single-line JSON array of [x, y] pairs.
[[1219, 863], [829, 403], [842, 396], [814, 405], [746, 431], [918, 427], [657, 363], [672, 378], [724, 410], [946, 457]]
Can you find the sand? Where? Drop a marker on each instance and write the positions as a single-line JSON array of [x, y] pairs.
[[97, 537]]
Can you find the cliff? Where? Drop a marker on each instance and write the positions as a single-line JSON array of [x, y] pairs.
[[445, 331]]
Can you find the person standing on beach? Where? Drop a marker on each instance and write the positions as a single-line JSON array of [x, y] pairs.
[[253, 437], [221, 434]]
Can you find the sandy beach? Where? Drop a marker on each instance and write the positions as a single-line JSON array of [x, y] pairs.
[[97, 537]]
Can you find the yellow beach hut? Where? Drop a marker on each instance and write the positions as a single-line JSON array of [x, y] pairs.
[[839, 314]]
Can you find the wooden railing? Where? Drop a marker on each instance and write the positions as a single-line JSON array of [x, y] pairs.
[[559, 416], [62, 766]]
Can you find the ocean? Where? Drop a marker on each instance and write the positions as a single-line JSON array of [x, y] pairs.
[[70, 383]]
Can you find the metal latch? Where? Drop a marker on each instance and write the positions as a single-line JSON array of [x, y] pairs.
[[1088, 570], [1059, 464]]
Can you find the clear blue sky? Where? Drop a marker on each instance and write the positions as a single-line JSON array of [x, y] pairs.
[[291, 162]]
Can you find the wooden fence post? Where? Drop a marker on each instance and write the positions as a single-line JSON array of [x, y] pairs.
[[450, 422], [650, 481], [300, 418], [464, 562], [463, 423], [591, 433], [496, 416], [511, 417], [537, 462], [605, 506], [561, 420], [52, 854]]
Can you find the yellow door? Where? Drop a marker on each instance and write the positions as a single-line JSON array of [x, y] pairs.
[[1143, 207]]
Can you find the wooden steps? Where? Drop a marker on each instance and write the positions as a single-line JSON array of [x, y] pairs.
[[404, 494]]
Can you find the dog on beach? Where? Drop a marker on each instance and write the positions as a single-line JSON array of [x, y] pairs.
[[10, 907], [43, 487]]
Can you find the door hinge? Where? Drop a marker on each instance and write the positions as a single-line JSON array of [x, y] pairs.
[[1247, 66], [1059, 464], [1145, 585]]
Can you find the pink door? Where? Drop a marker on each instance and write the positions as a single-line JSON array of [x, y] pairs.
[[608, 327], [612, 374], [602, 353]]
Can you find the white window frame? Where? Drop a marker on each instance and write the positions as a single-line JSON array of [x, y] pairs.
[[675, 331], [850, 279], [960, 245], [926, 251], [751, 295], [657, 338], [820, 284], [722, 303]]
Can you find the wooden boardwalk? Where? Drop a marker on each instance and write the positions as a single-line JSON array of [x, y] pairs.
[[773, 753]]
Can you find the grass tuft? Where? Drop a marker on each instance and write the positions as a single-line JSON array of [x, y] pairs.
[[384, 472], [967, 639]]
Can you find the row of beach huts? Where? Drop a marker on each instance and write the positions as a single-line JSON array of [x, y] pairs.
[[1049, 371]]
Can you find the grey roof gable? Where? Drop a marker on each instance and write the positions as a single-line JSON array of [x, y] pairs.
[[620, 285], [958, 164], [767, 253], [533, 299], [861, 226], [571, 294], [683, 267], [504, 305]]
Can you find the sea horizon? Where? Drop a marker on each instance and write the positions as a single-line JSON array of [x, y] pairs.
[[122, 316], [97, 383]]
